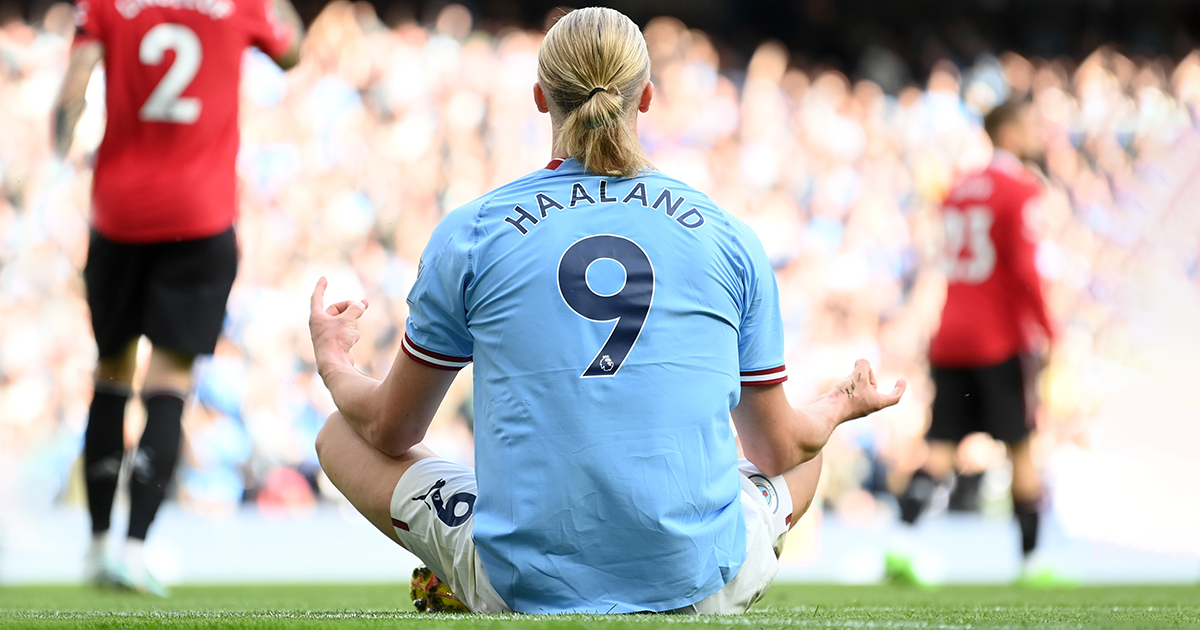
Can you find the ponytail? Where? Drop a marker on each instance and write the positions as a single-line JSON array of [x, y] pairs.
[[593, 64]]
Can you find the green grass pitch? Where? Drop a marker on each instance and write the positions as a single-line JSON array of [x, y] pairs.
[[786, 606]]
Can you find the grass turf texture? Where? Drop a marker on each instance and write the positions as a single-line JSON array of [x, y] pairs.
[[786, 606]]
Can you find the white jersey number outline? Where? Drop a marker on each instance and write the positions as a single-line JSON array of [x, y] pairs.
[[969, 228], [165, 104]]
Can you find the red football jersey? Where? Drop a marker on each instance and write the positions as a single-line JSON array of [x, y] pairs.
[[994, 291], [165, 169]]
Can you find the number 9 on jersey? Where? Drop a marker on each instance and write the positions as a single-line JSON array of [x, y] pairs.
[[629, 306]]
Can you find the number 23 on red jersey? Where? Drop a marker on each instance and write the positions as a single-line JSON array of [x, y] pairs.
[[970, 254]]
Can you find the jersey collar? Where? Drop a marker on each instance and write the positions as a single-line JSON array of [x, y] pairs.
[[1007, 162], [561, 166]]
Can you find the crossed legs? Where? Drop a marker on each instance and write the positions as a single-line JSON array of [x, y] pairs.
[[367, 477], [363, 474], [802, 484]]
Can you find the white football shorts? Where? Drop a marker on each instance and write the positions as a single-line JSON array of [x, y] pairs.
[[433, 503]]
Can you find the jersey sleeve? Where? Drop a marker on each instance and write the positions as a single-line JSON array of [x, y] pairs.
[[760, 334], [436, 334], [267, 32], [88, 22]]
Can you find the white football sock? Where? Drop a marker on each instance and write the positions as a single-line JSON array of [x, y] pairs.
[[1033, 563], [97, 553], [135, 557], [902, 539]]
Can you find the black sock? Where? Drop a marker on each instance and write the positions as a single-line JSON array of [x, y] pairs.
[[154, 462], [965, 495], [1028, 515], [916, 496], [103, 448]]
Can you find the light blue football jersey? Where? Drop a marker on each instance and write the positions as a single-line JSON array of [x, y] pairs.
[[612, 323]]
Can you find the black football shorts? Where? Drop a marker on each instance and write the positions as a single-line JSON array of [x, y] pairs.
[[172, 292], [996, 399]]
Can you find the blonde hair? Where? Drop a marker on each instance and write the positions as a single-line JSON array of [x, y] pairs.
[[593, 65]]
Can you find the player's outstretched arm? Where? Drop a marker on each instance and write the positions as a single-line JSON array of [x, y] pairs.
[[393, 414], [286, 13], [71, 99], [777, 437]]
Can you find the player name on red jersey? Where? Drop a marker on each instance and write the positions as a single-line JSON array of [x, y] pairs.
[[215, 9]]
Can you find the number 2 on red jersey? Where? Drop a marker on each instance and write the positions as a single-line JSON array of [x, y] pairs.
[[165, 103], [970, 252]]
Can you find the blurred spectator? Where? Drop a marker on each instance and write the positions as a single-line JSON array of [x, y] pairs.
[[349, 162]]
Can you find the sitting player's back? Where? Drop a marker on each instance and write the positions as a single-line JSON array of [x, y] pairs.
[[619, 321], [603, 315]]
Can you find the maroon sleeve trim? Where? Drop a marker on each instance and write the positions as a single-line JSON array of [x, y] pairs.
[[769, 376], [432, 359]]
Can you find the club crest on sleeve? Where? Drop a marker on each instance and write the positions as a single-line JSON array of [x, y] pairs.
[[767, 489]]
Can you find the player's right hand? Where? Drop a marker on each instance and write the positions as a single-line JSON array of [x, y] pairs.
[[333, 328]]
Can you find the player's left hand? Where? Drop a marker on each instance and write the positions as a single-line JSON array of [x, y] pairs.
[[333, 329], [859, 394]]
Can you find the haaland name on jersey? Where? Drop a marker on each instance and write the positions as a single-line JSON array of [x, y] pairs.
[[666, 199]]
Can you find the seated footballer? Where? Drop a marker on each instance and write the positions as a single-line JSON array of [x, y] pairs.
[[617, 319]]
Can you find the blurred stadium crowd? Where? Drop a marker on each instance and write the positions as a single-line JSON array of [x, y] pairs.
[[350, 160]]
